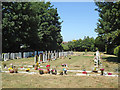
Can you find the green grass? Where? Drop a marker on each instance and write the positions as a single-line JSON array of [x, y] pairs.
[[50, 81]]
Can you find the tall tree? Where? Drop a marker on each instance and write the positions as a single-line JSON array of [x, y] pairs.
[[108, 26], [33, 24]]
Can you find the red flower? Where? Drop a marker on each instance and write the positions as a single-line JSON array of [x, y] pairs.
[[21, 67], [109, 73], [84, 72], [48, 66], [102, 69]]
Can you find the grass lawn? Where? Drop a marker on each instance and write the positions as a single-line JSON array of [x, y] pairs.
[[77, 62]]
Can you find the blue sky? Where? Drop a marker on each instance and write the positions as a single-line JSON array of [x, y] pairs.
[[79, 19]]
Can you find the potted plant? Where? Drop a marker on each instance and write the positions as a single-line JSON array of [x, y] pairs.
[[28, 69], [41, 71], [33, 66], [36, 68], [11, 71], [84, 72], [102, 70], [109, 73]]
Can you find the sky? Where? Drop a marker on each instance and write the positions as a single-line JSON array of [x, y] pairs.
[[79, 19]]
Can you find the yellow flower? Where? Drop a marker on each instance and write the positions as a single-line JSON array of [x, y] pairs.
[[37, 63], [28, 69], [10, 69]]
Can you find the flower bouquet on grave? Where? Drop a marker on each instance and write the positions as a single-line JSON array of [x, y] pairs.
[[41, 71], [48, 66], [84, 72], [11, 70], [62, 65], [27, 70], [102, 70], [109, 73], [36, 68], [33, 66]]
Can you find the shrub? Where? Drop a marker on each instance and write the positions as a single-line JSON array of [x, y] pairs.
[[117, 51]]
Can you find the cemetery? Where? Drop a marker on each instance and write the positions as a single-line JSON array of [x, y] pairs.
[[60, 64], [48, 45]]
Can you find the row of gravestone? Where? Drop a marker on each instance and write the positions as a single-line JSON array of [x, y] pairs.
[[46, 55]]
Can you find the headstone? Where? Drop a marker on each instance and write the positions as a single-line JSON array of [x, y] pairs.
[[24, 55], [98, 57], [56, 55], [46, 55], [52, 56], [6, 57], [43, 57], [40, 57], [36, 59], [20, 55]]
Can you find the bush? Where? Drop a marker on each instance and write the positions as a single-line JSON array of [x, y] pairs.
[[117, 51]]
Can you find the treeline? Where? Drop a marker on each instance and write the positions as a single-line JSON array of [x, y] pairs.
[[89, 44], [30, 26]]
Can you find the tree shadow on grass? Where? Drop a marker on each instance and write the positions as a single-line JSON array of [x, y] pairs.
[[112, 59]]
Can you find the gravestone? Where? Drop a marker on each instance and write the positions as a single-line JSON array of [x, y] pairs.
[[43, 57], [40, 57], [98, 57], [48, 55], [6, 56], [36, 59], [52, 55], [56, 55], [12, 56], [20, 55]]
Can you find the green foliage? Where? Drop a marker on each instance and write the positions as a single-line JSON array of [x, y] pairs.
[[117, 51], [33, 24], [100, 43], [80, 45], [108, 26], [65, 47]]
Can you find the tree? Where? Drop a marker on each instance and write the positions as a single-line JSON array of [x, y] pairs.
[[33, 24], [108, 26], [100, 43]]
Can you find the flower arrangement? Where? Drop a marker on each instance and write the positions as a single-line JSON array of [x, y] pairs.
[[48, 66], [84, 72], [10, 68], [102, 70], [109, 73], [11, 71], [41, 71], [37, 64], [63, 65], [36, 68], [27, 70]]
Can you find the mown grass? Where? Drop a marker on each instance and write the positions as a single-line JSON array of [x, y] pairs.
[[77, 62]]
